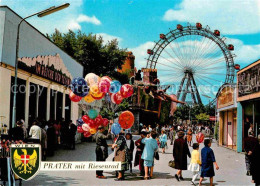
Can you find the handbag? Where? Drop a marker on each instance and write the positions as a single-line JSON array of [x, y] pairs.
[[156, 155], [171, 164], [120, 155]]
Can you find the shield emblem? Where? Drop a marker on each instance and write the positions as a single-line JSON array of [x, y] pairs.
[[25, 160]]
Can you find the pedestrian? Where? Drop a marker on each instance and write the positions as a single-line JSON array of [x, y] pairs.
[[24, 129], [148, 154], [180, 153], [255, 162], [139, 151], [17, 133], [35, 133], [150, 128], [189, 137], [121, 155], [51, 139], [250, 145], [71, 135], [130, 146], [208, 159], [101, 149], [172, 134], [163, 141], [195, 162], [157, 129], [43, 142]]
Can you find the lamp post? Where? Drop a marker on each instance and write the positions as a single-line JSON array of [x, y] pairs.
[[39, 14]]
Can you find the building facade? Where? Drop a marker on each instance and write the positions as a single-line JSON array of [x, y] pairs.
[[227, 109], [248, 97], [44, 73]]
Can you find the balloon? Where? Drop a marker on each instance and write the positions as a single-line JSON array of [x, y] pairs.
[[105, 122], [87, 134], [200, 137], [89, 98], [115, 86], [73, 97], [85, 127], [80, 129], [98, 120], [93, 130], [80, 122], [85, 118], [106, 78], [91, 123], [126, 119], [95, 93], [92, 78], [92, 113], [116, 98], [126, 90], [79, 87], [115, 128], [104, 85]]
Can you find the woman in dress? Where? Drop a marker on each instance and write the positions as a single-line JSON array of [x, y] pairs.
[[148, 154], [208, 159], [121, 154], [130, 146], [189, 137], [163, 141], [180, 153]]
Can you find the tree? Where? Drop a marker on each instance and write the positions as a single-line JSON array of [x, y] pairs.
[[202, 117], [91, 51]]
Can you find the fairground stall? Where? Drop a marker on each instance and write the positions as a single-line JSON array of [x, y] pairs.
[[248, 106], [227, 109], [44, 72]]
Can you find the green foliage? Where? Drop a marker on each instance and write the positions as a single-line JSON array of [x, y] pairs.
[[216, 131], [91, 51], [202, 117], [165, 111]]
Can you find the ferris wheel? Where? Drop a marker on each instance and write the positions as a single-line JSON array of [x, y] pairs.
[[194, 57]]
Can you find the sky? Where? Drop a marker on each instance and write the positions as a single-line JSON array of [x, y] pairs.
[[137, 23]]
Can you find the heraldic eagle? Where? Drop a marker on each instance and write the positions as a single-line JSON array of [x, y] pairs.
[[24, 161]]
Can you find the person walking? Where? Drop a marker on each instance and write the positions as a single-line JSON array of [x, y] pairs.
[[255, 166], [148, 154], [51, 139], [189, 137], [250, 146], [101, 149], [121, 155], [172, 134], [139, 151], [163, 141], [195, 162], [130, 146], [72, 134], [208, 159], [35, 133], [180, 153], [43, 142]]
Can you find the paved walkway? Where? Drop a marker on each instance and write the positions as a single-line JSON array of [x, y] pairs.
[[232, 170]]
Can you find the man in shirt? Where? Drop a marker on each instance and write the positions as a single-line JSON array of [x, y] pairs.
[[35, 133]]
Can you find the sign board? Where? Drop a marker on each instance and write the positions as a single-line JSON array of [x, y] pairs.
[[49, 67], [226, 97]]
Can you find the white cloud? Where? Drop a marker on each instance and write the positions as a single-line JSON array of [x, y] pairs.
[[74, 25], [230, 17], [87, 19], [107, 37], [140, 52]]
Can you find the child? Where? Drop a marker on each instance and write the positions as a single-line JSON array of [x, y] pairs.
[[195, 162], [208, 159], [163, 141], [130, 146]]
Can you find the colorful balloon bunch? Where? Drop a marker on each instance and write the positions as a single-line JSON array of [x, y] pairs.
[[88, 124], [95, 88], [200, 137]]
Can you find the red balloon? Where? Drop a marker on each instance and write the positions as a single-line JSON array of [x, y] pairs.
[[105, 122], [91, 123], [126, 90], [126, 119], [80, 130], [200, 137], [73, 97], [87, 134], [116, 98], [85, 118], [104, 85], [98, 120]]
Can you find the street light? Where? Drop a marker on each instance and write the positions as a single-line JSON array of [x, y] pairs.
[[39, 14]]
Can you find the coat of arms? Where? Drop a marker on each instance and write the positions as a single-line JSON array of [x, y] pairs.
[[25, 160]]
